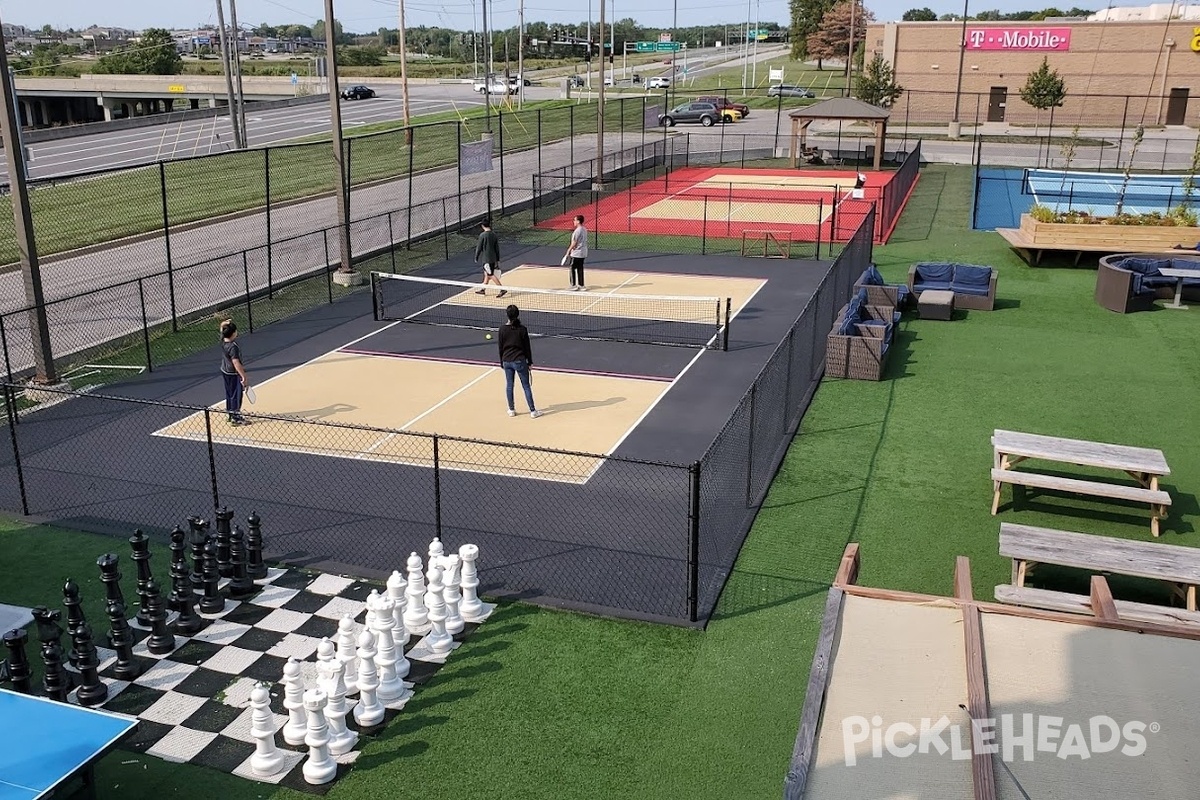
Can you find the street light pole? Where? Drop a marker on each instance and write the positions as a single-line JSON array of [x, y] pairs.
[[956, 126], [487, 77], [345, 274], [404, 70], [599, 180]]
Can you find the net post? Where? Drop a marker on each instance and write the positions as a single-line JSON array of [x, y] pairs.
[[437, 488], [166, 218], [11, 409], [728, 314], [374, 296], [703, 229], [820, 224], [693, 558], [4, 347], [445, 230]]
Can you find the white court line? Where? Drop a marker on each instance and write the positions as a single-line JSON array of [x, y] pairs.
[[487, 371], [611, 292]]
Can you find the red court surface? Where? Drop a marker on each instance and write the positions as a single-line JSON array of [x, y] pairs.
[[728, 202]]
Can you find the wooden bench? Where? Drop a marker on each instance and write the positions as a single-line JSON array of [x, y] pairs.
[[1081, 604], [1028, 546], [1158, 499]]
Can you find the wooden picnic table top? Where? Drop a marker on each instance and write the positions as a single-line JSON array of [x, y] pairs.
[[1082, 452]]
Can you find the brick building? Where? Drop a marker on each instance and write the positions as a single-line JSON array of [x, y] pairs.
[[1116, 72]]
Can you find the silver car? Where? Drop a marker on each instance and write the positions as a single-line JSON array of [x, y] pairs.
[[788, 90]]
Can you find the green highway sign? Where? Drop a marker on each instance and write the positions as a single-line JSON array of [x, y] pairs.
[[646, 47], [650, 47], [671, 46]]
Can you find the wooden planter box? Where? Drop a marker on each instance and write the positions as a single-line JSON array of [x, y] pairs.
[[1106, 238]]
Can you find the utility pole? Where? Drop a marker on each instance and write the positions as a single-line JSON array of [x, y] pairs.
[[345, 267], [757, 27], [474, 39], [487, 78], [31, 274], [403, 72], [237, 72], [228, 70], [955, 125], [521, 54], [746, 49], [599, 180], [850, 48]]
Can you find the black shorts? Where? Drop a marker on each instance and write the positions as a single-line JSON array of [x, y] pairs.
[[491, 269]]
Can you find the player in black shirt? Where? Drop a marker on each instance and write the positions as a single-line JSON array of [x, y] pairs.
[[516, 357], [233, 373], [489, 247]]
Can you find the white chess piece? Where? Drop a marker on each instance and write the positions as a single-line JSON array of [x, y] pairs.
[[436, 550], [470, 608], [369, 712], [416, 617], [453, 593], [332, 682], [320, 767], [395, 590], [346, 652], [326, 651], [293, 700], [437, 640], [390, 686], [267, 760]]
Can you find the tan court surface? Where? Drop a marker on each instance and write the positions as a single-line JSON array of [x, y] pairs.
[[905, 662], [584, 413], [843, 181], [738, 211]]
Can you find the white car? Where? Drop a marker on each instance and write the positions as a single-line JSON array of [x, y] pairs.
[[495, 86], [659, 82]]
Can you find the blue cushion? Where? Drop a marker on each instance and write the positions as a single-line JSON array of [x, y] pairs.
[[932, 285], [1185, 263], [1146, 266], [1137, 283], [872, 277], [972, 275], [980, 291], [854, 309], [934, 272], [861, 297], [847, 326], [1156, 280]]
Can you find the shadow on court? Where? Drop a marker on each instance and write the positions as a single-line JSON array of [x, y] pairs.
[[581, 405]]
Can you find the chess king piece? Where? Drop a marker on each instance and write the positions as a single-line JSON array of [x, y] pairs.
[[56, 681], [241, 586], [395, 590], [437, 640], [267, 760], [332, 681], [391, 688], [369, 711], [178, 571], [110, 576], [293, 700], [256, 568], [121, 636], [416, 617], [20, 671], [92, 690], [224, 518], [141, 556], [319, 767], [471, 609], [213, 601], [161, 640]]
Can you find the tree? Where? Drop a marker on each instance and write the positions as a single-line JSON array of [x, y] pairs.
[[877, 83], [153, 54], [919, 15], [1044, 88], [806, 19], [832, 37], [370, 56]]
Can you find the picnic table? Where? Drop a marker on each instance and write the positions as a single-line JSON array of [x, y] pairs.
[[1145, 465]]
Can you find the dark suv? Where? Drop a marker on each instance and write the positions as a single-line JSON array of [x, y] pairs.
[[704, 113], [721, 102]]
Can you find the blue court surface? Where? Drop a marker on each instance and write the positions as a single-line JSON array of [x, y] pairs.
[[44, 743], [1003, 195]]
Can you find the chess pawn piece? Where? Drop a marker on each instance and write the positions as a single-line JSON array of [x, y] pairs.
[[436, 550], [369, 711], [121, 636], [332, 676], [346, 654], [241, 586], [188, 622], [390, 686], [92, 690], [267, 760], [56, 682], [452, 578], [213, 601], [141, 556], [320, 767], [293, 700], [224, 564], [470, 608], [326, 654], [395, 590], [75, 616], [199, 536], [416, 617], [437, 640], [256, 568], [161, 640], [20, 672]]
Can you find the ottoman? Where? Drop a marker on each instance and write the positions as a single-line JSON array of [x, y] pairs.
[[936, 304]]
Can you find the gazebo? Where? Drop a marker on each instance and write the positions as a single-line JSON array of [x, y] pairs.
[[839, 108]]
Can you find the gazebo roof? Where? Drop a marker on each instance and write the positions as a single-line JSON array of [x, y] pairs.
[[840, 108]]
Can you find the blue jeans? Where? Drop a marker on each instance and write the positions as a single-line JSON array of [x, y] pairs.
[[233, 395], [521, 368]]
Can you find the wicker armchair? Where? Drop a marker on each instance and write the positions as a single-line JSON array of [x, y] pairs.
[[880, 293], [858, 354]]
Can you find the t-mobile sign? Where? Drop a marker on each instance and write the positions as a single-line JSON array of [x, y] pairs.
[[1018, 38]]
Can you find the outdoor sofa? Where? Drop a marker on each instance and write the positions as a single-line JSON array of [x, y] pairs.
[[1129, 282], [974, 286]]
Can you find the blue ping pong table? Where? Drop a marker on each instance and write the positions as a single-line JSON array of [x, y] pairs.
[[44, 743]]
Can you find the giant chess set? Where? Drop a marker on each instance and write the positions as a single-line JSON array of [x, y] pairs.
[[275, 675]]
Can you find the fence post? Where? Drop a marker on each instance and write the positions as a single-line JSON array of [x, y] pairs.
[[571, 132], [703, 228], [539, 140], [728, 314], [778, 115], [4, 347], [750, 448], [693, 557], [267, 182], [500, 125], [145, 327], [392, 241], [446, 228], [162, 184], [212, 458], [458, 157], [246, 279], [820, 224], [787, 386], [489, 202], [437, 488], [10, 406], [412, 144]]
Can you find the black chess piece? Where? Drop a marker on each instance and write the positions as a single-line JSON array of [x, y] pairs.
[[110, 576], [240, 586], [188, 623], [75, 617], [19, 669], [224, 519], [179, 570], [212, 602], [141, 556], [198, 537], [56, 681], [92, 690], [161, 640], [256, 568], [121, 636]]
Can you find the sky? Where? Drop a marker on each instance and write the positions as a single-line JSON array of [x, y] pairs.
[[370, 15]]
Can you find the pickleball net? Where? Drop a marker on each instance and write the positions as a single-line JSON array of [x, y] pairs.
[[604, 316]]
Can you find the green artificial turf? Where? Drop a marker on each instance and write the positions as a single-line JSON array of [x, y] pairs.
[[545, 704]]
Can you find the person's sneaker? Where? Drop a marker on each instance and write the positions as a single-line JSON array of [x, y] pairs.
[[512, 413], [502, 293], [481, 291], [575, 288], [583, 288], [239, 421], [534, 414]]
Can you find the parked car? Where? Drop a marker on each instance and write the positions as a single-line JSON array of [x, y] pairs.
[[721, 102], [705, 113], [495, 85], [659, 82], [788, 90], [358, 93]]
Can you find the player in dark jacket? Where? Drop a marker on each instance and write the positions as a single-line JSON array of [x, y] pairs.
[[489, 247], [516, 357]]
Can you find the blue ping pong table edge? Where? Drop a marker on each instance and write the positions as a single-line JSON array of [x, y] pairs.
[[99, 751]]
